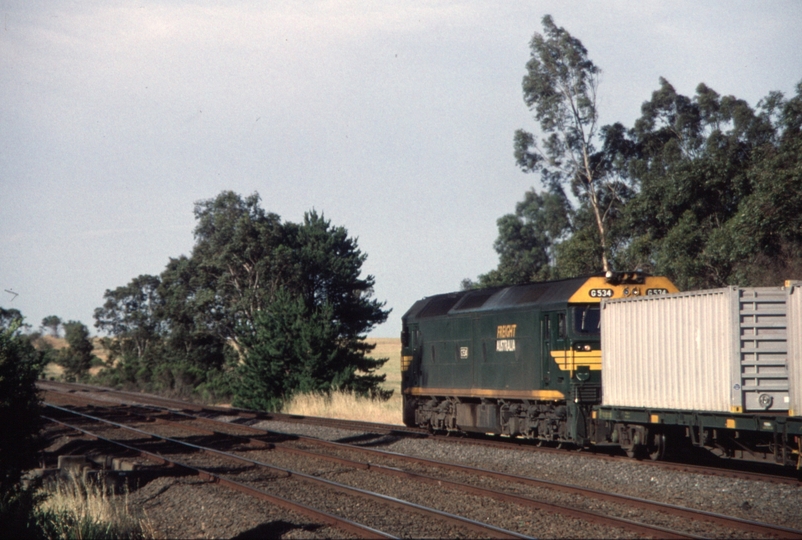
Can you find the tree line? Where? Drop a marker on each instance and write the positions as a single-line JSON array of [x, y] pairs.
[[76, 358], [260, 310], [704, 189]]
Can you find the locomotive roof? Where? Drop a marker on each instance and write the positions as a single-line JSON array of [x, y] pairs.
[[496, 298]]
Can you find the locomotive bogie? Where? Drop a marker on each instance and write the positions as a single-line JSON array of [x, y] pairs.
[[546, 421]]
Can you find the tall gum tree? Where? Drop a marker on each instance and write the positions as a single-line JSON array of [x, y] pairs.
[[560, 88]]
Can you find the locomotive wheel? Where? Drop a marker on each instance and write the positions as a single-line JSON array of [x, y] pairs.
[[657, 447], [637, 451]]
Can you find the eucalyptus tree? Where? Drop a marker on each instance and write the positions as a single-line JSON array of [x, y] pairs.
[[52, 323], [527, 239], [240, 259], [718, 181], [560, 88], [132, 313], [77, 358]]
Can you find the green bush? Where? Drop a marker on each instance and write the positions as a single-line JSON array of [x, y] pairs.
[[20, 423], [18, 514]]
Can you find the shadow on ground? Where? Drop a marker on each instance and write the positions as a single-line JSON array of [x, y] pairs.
[[274, 529]]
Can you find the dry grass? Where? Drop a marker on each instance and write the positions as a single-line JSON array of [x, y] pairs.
[[389, 348], [54, 342], [349, 407], [78, 509]]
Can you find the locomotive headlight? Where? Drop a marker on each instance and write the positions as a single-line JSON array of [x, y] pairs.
[[636, 292], [586, 347], [626, 291]]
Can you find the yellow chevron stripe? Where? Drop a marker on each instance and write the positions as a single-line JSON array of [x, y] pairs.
[[570, 360]]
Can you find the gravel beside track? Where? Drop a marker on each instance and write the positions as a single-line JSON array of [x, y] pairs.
[[759, 501], [500, 514], [190, 508]]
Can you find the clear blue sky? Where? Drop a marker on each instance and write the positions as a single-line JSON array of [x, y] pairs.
[[395, 119]]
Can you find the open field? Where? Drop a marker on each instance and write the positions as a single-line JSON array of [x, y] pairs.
[[55, 371], [389, 348]]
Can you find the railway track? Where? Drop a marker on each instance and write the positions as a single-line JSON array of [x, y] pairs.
[[733, 469], [455, 486]]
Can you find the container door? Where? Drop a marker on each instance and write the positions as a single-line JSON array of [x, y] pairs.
[[763, 347]]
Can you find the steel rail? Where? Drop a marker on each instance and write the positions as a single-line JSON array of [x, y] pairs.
[[585, 515], [728, 521], [722, 471], [472, 525], [362, 531], [690, 513], [248, 413]]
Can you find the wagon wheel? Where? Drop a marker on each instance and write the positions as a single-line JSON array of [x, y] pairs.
[[657, 447]]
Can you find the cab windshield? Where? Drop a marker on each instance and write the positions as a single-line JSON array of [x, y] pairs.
[[586, 319]]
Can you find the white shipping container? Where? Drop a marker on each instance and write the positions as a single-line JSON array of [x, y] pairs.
[[794, 303], [720, 350]]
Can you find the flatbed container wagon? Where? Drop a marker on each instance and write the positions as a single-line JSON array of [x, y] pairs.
[[713, 368]]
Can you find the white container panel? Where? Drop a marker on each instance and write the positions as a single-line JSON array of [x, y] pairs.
[[672, 352], [794, 308], [722, 350]]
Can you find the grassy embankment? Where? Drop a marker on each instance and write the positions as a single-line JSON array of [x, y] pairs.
[[349, 407]]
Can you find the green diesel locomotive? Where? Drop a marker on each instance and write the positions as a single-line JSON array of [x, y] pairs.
[[523, 360]]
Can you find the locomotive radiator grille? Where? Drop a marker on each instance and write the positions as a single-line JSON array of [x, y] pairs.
[[587, 393]]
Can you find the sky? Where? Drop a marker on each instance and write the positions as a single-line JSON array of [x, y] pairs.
[[394, 119]]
